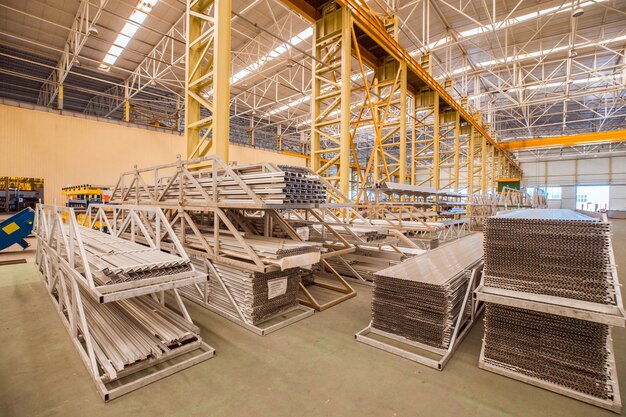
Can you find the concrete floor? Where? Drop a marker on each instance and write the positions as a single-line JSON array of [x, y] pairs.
[[312, 368]]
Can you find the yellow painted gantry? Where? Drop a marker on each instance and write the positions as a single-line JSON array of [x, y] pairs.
[[389, 98]]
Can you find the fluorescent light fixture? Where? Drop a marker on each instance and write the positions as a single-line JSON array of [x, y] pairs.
[[131, 27]]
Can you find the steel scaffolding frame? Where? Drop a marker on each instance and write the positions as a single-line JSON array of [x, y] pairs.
[[149, 186]]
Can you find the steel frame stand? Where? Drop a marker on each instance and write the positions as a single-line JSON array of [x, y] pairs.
[[66, 273], [463, 325]]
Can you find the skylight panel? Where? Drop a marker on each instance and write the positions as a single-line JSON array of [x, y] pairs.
[[131, 27]]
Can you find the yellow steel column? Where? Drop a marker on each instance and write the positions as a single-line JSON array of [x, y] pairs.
[[403, 97], [470, 162], [413, 139], [59, 97], [221, 79], [344, 142], [483, 165], [126, 103], [457, 149], [315, 93], [436, 145], [492, 177], [193, 61], [207, 77]]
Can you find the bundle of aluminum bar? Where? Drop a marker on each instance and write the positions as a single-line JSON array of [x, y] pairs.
[[421, 298], [114, 260], [553, 252], [565, 351], [257, 295], [134, 330], [287, 185]]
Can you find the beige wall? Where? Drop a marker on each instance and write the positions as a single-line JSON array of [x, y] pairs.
[[69, 150]]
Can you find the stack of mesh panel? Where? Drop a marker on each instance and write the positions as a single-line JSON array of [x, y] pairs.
[[565, 351], [557, 253], [258, 295], [421, 298], [552, 252]]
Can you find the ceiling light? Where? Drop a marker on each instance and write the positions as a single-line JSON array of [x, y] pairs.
[[93, 29], [573, 53], [578, 11]]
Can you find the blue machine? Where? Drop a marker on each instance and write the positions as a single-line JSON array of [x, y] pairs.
[[16, 228]]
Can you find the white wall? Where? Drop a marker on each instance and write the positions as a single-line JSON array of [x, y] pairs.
[[567, 173]]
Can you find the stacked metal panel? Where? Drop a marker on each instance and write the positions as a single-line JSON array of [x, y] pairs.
[[564, 257], [421, 298], [257, 295], [553, 252], [561, 350]]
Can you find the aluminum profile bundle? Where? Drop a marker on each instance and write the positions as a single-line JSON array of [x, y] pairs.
[[258, 296], [552, 252], [563, 351], [421, 298], [230, 184], [114, 260]]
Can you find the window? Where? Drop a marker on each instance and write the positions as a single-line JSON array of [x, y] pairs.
[[592, 197], [553, 193]]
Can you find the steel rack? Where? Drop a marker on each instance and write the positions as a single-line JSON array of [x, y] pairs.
[[110, 295]]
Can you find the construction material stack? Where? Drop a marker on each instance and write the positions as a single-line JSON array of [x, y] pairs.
[[109, 290], [229, 219], [426, 301], [551, 289]]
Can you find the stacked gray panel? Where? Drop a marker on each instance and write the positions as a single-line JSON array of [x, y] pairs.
[[556, 253], [421, 298], [553, 252], [565, 351], [250, 291]]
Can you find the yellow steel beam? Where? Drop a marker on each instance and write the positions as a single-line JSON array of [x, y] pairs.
[[572, 140]]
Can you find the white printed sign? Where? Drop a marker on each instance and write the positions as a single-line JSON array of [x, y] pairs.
[[303, 232], [276, 287]]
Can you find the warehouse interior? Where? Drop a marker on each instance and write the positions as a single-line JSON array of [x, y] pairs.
[[312, 207]]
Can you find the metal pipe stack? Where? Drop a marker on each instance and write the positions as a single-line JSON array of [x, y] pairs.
[[421, 298]]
